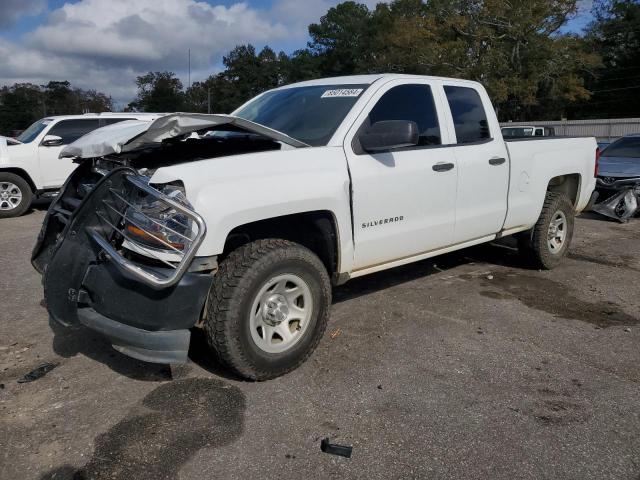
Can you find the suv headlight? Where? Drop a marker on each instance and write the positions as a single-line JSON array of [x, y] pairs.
[[155, 224]]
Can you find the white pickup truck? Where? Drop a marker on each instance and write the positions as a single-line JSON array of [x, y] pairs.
[[244, 228], [30, 166]]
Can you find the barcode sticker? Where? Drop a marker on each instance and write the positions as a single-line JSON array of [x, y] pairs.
[[342, 92]]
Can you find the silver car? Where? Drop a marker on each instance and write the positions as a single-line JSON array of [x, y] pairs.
[[618, 182]]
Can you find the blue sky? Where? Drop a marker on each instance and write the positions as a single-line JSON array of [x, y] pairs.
[[105, 44]]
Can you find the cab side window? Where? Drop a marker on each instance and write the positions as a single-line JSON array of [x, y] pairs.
[[469, 117], [71, 130], [410, 102]]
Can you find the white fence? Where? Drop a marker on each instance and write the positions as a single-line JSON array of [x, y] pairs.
[[602, 129]]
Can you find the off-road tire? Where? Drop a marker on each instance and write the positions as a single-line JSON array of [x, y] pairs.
[[25, 189], [236, 284], [533, 243]]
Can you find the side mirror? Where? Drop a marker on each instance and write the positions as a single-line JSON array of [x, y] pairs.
[[52, 141], [390, 134]]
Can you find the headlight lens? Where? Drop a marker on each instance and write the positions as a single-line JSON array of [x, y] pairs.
[[155, 224]]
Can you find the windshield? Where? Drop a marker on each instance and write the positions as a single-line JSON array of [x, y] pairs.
[[517, 132], [33, 131], [625, 147], [309, 114]]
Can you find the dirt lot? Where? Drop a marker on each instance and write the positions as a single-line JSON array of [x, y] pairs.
[[465, 366]]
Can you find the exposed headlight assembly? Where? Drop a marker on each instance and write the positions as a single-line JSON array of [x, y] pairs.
[[154, 223]]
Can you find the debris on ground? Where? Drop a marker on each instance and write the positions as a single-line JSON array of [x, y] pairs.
[[38, 372], [489, 277], [342, 450], [621, 206], [336, 333]]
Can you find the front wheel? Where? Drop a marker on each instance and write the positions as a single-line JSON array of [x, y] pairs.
[[268, 308], [15, 195], [548, 241]]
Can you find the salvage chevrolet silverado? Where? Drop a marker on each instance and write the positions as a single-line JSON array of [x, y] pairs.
[[244, 227]]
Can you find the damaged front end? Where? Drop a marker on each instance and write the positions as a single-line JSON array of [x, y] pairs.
[[105, 266], [619, 198], [117, 253]]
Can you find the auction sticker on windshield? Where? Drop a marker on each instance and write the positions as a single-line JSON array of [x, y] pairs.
[[342, 92]]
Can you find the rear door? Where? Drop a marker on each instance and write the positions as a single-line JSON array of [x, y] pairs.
[[403, 199], [483, 164], [55, 170]]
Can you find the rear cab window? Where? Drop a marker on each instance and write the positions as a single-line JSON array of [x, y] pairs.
[[469, 117]]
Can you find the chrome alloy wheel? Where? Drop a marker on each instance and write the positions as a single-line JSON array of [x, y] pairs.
[[557, 232], [10, 196], [280, 313]]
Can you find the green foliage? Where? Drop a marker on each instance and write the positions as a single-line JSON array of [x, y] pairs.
[[23, 103], [615, 36], [159, 92]]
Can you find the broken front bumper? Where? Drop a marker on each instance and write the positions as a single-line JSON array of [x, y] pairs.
[[85, 284]]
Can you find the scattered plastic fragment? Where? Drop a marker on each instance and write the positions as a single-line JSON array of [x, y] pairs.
[[343, 450], [489, 277], [336, 333], [621, 206], [38, 372]]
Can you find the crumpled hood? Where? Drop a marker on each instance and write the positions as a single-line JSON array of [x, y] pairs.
[[619, 166], [133, 134]]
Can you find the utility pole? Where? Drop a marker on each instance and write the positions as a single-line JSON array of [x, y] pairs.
[[209, 100], [189, 68]]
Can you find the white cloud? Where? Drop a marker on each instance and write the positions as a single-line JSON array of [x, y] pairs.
[[105, 44], [12, 10]]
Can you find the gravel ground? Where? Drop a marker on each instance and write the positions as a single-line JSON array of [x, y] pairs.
[[463, 366]]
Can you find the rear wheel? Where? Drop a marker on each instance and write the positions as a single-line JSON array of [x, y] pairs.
[[268, 308], [15, 195], [548, 241]]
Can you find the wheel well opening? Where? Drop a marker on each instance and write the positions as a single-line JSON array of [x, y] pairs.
[[21, 173], [566, 184], [314, 230]]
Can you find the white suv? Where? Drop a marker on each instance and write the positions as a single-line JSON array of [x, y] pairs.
[[29, 165]]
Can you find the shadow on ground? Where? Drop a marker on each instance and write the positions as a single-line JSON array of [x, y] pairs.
[[171, 424]]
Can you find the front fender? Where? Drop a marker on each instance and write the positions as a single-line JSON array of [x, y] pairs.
[[232, 191]]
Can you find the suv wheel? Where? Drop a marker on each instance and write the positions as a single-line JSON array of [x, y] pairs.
[[268, 308], [15, 195]]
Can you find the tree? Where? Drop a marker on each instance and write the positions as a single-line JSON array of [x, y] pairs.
[[343, 40], [513, 48], [159, 92], [615, 36], [23, 103]]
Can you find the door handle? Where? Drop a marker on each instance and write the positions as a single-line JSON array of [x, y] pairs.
[[497, 161], [443, 167]]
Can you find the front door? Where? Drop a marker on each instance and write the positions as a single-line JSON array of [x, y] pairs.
[[403, 199]]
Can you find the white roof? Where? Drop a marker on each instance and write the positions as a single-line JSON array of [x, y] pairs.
[[366, 80]]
